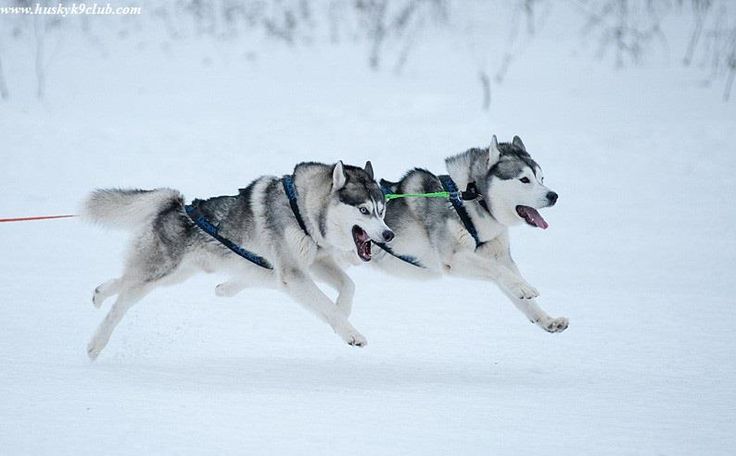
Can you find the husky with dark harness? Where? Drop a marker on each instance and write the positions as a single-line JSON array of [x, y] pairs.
[[279, 232], [458, 223]]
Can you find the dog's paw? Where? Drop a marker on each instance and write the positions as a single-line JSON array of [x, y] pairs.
[[93, 349], [222, 290], [228, 289], [357, 340], [97, 298], [523, 290], [554, 325], [352, 337]]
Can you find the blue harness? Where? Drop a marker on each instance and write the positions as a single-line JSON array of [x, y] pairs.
[[291, 193], [456, 198], [205, 225], [406, 258]]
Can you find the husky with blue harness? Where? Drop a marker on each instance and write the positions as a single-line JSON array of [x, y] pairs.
[[457, 223], [278, 232]]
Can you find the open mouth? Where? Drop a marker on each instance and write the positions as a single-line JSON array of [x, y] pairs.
[[532, 217], [362, 243]]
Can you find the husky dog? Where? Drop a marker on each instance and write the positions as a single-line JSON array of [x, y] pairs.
[[433, 236], [277, 232]]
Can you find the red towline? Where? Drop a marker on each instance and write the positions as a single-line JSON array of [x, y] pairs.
[[41, 217]]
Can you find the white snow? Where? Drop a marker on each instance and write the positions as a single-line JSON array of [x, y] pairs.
[[640, 256]]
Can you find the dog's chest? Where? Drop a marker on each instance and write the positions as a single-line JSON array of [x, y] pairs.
[[486, 226]]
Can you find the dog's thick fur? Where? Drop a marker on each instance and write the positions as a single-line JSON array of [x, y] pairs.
[[168, 247], [430, 230]]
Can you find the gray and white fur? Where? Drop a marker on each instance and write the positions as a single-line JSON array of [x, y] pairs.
[[342, 208], [430, 231]]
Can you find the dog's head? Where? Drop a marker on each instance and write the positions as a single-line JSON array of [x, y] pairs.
[[511, 183], [357, 208]]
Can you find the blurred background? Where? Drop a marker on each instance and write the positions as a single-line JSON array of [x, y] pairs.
[[322, 79], [387, 34]]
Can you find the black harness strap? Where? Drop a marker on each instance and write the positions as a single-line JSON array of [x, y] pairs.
[[204, 224], [471, 193], [456, 198], [292, 194], [385, 189], [406, 258]]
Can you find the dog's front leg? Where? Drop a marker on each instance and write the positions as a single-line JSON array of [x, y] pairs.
[[529, 307], [328, 271], [470, 264], [505, 273], [303, 290], [497, 252], [536, 314]]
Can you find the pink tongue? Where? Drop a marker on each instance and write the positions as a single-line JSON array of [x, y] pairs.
[[536, 218]]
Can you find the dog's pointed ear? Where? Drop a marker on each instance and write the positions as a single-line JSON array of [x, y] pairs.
[[369, 168], [338, 176], [517, 142], [493, 153]]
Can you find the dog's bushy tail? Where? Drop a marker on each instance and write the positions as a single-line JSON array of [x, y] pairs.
[[128, 208]]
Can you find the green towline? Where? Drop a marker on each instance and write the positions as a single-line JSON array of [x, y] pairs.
[[391, 196]]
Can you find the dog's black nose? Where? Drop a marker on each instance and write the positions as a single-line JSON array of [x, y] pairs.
[[552, 197], [388, 235]]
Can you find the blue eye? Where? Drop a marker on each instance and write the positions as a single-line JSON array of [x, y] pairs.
[[524, 180], [364, 211]]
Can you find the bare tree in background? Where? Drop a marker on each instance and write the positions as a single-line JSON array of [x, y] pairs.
[[286, 20], [389, 27], [730, 63], [525, 11], [396, 21], [720, 49], [485, 83], [701, 8], [714, 38], [628, 27], [390, 30], [38, 29], [38, 33], [527, 17], [4, 94], [373, 13]]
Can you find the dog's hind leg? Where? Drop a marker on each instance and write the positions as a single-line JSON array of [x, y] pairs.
[[129, 295], [132, 288], [231, 287], [245, 277], [155, 258], [104, 291], [329, 272]]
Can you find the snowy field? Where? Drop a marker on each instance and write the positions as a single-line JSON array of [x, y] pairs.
[[640, 256]]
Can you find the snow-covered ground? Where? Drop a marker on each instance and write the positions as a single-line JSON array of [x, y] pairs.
[[640, 256]]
